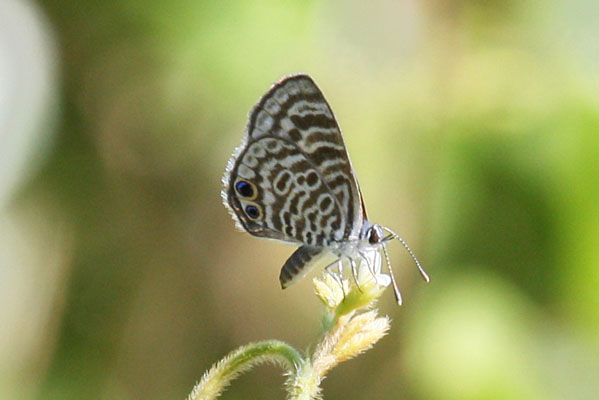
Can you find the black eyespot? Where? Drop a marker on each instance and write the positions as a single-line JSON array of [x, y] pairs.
[[252, 212], [244, 188]]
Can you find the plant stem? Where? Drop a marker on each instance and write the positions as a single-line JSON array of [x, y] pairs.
[[219, 376]]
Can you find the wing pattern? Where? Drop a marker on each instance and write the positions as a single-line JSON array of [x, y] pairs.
[[292, 179]]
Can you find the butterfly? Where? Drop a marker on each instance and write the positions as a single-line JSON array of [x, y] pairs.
[[291, 180]]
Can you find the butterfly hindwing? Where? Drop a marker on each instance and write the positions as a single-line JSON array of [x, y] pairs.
[[276, 192]]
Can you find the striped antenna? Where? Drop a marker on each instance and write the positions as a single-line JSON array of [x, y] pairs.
[[395, 289], [403, 242]]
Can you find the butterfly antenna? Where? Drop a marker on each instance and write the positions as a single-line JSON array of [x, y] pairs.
[[395, 289], [403, 242]]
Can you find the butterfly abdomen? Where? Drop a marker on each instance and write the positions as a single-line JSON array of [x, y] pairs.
[[299, 264]]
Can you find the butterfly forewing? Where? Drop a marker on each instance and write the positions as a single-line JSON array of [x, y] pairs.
[[292, 179]]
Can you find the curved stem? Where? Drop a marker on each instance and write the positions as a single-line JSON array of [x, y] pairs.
[[242, 359]]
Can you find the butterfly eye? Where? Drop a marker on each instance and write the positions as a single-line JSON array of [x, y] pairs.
[[373, 236], [252, 211], [246, 189]]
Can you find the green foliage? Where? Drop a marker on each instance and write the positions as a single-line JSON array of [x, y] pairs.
[[472, 127]]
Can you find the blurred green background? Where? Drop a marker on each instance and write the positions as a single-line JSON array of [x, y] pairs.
[[473, 128]]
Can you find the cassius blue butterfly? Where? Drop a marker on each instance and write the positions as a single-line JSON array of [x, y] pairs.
[[291, 180]]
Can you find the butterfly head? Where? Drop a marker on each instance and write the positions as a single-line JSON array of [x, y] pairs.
[[372, 234], [377, 236]]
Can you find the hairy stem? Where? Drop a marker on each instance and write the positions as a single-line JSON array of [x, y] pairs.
[[244, 358]]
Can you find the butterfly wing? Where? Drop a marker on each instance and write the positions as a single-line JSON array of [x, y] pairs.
[[276, 192], [292, 179]]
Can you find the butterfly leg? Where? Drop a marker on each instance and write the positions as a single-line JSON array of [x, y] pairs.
[[336, 275], [354, 271], [368, 264]]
